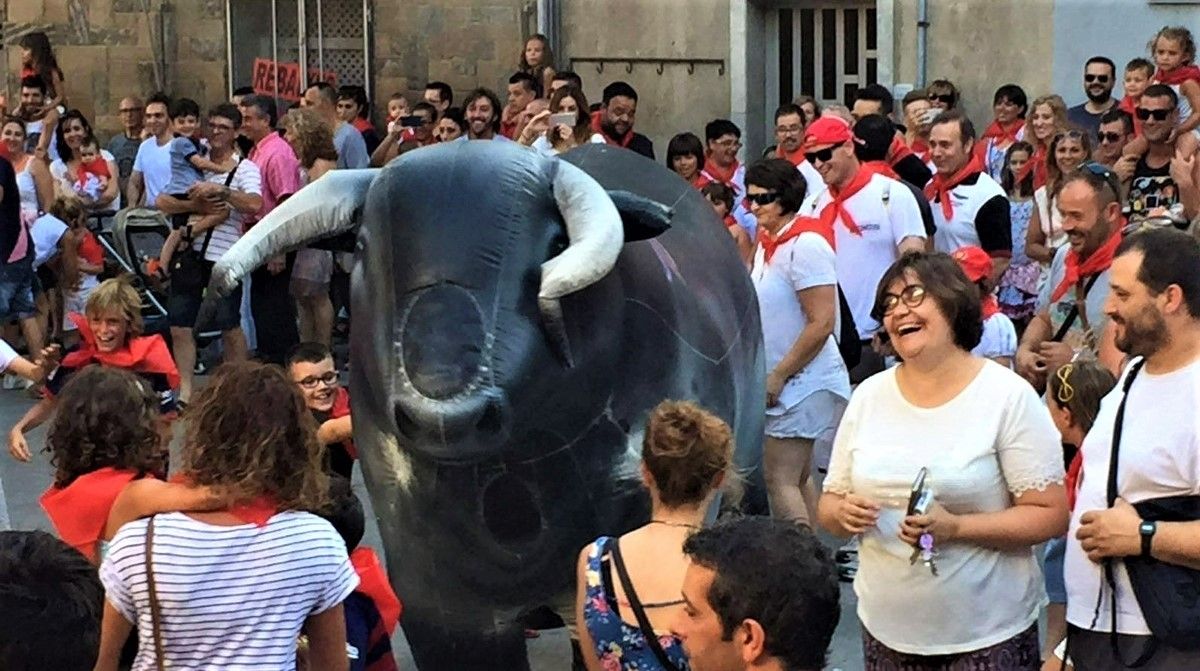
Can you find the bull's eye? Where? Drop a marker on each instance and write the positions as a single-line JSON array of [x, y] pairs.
[[442, 341]]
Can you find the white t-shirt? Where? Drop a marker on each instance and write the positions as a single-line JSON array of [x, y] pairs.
[[999, 338], [154, 162], [886, 212], [964, 227], [232, 597], [1159, 456], [247, 179], [803, 262], [7, 355], [58, 170], [812, 179], [993, 441]]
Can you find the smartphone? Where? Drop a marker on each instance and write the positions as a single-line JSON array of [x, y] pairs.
[[562, 119], [920, 498], [414, 121], [930, 115]]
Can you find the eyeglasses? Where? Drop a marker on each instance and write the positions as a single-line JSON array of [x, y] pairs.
[[912, 296], [1109, 137], [761, 199], [1110, 178], [1068, 134], [311, 382], [824, 156], [220, 126], [787, 130], [1065, 391], [1103, 79], [728, 143], [944, 98], [1144, 114]]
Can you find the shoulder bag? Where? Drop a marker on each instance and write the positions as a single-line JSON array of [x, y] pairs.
[[187, 265]]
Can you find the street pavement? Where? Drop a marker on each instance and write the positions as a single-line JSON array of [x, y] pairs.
[[24, 483]]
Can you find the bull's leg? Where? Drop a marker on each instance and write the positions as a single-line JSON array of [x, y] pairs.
[[458, 640]]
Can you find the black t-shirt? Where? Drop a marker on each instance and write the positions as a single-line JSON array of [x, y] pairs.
[[1152, 192], [642, 145], [914, 171], [10, 209]]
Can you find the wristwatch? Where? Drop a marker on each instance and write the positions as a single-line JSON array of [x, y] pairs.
[[1147, 529]]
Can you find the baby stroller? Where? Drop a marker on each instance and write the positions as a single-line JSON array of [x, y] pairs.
[[133, 243]]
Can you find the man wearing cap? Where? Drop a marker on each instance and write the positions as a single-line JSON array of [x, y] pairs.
[[874, 219], [969, 207], [999, 339]]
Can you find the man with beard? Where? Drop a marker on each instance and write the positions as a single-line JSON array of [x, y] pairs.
[[312, 369], [482, 108], [615, 119], [1099, 77], [1163, 180], [40, 122], [1070, 319], [1154, 307]]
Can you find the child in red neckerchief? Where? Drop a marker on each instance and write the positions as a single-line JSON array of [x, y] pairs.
[[312, 368], [1139, 72], [373, 610], [720, 197], [92, 175]]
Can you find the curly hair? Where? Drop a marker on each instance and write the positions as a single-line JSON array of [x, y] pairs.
[[685, 448], [1180, 34], [117, 295], [106, 417], [309, 135], [249, 434]]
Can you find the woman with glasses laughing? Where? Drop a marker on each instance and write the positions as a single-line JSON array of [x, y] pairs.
[[950, 467]]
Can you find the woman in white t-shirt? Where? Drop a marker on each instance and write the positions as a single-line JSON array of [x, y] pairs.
[[553, 139], [994, 469], [235, 587], [72, 131], [807, 383]]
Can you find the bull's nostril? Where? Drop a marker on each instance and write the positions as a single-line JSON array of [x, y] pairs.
[[442, 340], [491, 422]]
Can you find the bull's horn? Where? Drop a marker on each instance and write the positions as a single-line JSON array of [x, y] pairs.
[[327, 207], [595, 234]]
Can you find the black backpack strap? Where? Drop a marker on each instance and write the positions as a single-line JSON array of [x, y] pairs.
[[638, 611], [1074, 313]]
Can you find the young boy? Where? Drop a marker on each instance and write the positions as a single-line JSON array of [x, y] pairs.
[[373, 610], [399, 108], [721, 198], [1138, 73], [312, 369]]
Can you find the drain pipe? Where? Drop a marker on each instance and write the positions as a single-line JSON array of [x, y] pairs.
[[922, 40]]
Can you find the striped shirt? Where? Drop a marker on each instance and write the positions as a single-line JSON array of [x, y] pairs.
[[231, 597], [246, 179]]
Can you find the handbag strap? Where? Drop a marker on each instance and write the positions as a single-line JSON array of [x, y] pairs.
[[209, 233], [1110, 573], [638, 610], [1074, 313], [155, 611]]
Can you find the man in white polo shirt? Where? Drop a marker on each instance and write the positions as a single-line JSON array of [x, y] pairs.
[[789, 139], [969, 208], [874, 218]]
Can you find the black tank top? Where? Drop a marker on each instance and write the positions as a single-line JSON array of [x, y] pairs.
[[1152, 192]]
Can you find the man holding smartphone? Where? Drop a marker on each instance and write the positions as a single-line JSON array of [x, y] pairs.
[[421, 122]]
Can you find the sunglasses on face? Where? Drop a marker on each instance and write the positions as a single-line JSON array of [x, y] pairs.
[[1109, 137], [761, 199], [312, 381], [1144, 114], [1103, 79], [912, 296], [944, 98], [823, 156]]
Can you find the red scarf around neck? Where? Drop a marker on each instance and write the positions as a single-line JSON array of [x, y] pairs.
[[795, 157], [990, 306], [598, 126], [882, 168], [373, 583], [1098, 262], [141, 354], [836, 209], [939, 187], [700, 180], [1003, 134], [257, 511], [79, 511], [718, 174], [362, 125], [1130, 105], [770, 243], [1177, 76], [1035, 165], [898, 151], [341, 408]]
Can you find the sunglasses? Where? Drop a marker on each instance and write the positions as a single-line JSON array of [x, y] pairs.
[[912, 296], [761, 199], [1065, 391], [311, 382], [1110, 178], [1103, 79], [944, 98], [1109, 137], [1144, 114], [824, 156]]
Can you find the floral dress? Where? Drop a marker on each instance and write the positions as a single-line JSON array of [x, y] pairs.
[[1019, 284], [619, 646]]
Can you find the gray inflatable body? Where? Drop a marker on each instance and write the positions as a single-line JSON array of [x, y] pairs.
[[506, 355]]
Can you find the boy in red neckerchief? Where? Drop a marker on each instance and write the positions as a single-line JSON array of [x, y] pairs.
[[312, 368], [721, 198], [373, 610]]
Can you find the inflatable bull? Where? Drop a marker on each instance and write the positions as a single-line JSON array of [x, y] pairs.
[[515, 319]]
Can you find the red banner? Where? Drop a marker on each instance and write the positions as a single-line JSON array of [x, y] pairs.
[[291, 86]]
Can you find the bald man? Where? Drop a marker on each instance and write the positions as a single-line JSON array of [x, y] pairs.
[[123, 146]]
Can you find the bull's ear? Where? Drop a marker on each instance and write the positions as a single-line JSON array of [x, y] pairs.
[[642, 218]]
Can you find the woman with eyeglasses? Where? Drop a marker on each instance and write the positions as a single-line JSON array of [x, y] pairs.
[[950, 467], [807, 382], [1069, 149]]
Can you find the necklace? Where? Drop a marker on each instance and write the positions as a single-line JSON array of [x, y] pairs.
[[675, 524]]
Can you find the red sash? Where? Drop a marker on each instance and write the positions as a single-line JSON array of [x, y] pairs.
[[836, 209], [373, 584], [341, 408], [939, 187], [598, 126], [799, 225], [79, 511], [1098, 262], [143, 354], [898, 151], [1177, 76], [718, 174], [1072, 480]]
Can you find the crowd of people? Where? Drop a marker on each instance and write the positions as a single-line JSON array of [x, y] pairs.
[[961, 329]]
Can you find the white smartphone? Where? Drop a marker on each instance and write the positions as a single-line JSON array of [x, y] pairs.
[[562, 119]]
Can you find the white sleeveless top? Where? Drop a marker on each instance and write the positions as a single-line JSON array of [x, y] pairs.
[[28, 189]]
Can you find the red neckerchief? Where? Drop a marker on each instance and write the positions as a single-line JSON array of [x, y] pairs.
[[1098, 262], [79, 511], [1035, 165], [373, 584], [361, 124], [921, 149], [97, 166], [990, 306], [701, 180], [939, 187], [508, 129], [898, 151], [257, 511], [998, 132], [143, 354], [799, 225], [795, 157], [1177, 76], [341, 408], [718, 174], [598, 126], [836, 209], [1074, 472], [882, 168], [1130, 105], [730, 222]]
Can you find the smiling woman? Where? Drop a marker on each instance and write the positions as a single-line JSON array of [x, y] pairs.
[[994, 470]]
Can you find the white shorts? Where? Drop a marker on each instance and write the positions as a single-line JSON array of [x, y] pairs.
[[816, 417]]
